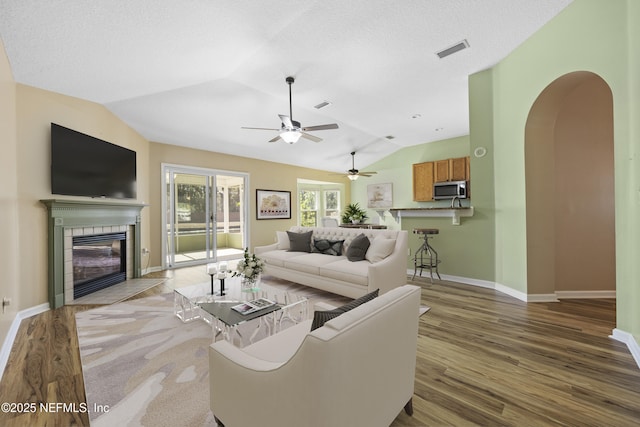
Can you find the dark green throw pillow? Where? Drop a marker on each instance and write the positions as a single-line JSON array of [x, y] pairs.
[[327, 247], [358, 248], [300, 242], [320, 317]]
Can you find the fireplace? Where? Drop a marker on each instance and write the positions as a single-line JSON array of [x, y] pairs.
[[69, 219], [99, 261]]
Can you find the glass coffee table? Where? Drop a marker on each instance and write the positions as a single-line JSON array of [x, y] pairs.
[[197, 302]]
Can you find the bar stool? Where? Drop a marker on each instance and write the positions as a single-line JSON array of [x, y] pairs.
[[426, 256]]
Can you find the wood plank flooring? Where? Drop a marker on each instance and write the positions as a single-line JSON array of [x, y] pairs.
[[484, 359]]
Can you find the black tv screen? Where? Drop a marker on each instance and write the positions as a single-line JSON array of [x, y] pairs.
[[82, 165]]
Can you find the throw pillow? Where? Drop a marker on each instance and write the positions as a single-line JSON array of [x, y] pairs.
[[327, 247], [358, 248], [300, 242], [359, 301], [283, 240], [320, 317], [380, 249]]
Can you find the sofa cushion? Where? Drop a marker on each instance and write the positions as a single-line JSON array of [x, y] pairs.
[[358, 248], [278, 257], [380, 249], [310, 263], [320, 317], [300, 242], [327, 247], [347, 271], [283, 240]]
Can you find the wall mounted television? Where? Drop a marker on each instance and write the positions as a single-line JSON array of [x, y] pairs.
[[82, 165]]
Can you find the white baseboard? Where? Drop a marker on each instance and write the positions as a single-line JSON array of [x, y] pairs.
[[552, 297], [13, 332], [630, 341], [585, 294], [148, 270]]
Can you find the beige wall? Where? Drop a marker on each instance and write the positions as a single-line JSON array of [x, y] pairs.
[[262, 175], [36, 109], [10, 281]]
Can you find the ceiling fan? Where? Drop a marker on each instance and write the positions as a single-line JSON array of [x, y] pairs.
[[290, 130], [354, 173]]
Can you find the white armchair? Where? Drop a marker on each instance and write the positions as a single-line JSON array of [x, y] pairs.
[[356, 370], [328, 221]]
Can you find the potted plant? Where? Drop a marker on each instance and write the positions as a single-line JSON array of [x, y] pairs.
[[354, 214]]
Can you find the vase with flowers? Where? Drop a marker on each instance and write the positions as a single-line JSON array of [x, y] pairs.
[[249, 269]]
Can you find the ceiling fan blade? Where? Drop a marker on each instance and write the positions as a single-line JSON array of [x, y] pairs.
[[310, 137], [320, 127], [367, 173], [244, 127], [286, 121], [277, 138]]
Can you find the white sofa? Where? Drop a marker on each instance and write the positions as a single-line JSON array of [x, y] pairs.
[[337, 274], [356, 370]]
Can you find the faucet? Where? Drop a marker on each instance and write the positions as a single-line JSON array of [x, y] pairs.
[[453, 202]]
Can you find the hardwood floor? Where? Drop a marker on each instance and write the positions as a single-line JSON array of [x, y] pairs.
[[484, 358]]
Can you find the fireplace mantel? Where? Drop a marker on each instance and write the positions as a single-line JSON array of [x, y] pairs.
[[64, 214]]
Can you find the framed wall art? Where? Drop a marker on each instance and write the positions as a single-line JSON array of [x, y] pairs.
[[272, 204], [379, 196]]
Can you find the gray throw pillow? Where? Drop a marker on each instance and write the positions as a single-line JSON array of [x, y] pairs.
[[327, 247], [300, 242], [320, 317], [358, 248]]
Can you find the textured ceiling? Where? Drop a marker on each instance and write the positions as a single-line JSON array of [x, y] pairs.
[[192, 73]]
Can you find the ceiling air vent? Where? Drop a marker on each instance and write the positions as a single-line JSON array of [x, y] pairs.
[[322, 105], [453, 49]]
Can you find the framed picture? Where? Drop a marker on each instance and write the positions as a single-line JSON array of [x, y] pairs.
[[273, 204], [379, 196]]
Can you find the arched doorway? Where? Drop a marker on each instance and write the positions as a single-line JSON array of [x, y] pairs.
[[569, 170]]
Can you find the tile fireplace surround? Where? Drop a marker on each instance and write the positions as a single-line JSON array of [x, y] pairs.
[[77, 217]]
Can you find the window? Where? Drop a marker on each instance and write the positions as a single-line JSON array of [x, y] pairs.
[[332, 204], [317, 201], [308, 208]]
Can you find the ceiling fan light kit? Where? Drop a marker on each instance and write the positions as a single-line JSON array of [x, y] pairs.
[[290, 130]]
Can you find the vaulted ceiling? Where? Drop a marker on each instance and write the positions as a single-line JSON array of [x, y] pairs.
[[193, 73]]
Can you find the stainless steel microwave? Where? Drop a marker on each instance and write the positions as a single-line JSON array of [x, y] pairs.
[[449, 190]]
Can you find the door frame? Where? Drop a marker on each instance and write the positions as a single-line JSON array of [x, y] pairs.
[[195, 170]]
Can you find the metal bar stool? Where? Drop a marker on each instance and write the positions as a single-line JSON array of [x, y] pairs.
[[426, 256]]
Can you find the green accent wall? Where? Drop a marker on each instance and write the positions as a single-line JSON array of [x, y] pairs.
[[589, 35]]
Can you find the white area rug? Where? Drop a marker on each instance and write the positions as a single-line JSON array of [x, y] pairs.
[[147, 367]]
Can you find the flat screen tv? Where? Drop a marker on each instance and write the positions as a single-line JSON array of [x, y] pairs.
[[82, 165]]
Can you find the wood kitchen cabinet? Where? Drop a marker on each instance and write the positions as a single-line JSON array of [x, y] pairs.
[[458, 169], [451, 170], [423, 174]]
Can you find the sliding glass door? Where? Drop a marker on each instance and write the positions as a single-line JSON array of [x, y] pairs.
[[205, 215]]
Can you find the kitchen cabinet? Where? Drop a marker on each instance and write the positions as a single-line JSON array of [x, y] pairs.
[[458, 169], [451, 170], [423, 181], [441, 170]]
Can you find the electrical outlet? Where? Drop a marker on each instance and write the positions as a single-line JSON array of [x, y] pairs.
[[145, 251]]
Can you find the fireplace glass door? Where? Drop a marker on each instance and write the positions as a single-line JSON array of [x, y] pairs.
[[205, 219]]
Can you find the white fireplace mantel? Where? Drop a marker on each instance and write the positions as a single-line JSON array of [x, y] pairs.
[[64, 214]]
